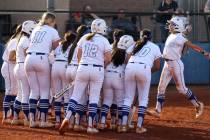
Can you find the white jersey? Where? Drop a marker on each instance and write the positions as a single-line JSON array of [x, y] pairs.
[[41, 39], [21, 47], [11, 46], [174, 46], [93, 50], [147, 55], [59, 55]]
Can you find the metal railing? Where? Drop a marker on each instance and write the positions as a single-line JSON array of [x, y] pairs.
[[200, 25]]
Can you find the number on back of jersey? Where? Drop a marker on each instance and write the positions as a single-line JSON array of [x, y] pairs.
[[38, 38], [143, 52], [90, 50]]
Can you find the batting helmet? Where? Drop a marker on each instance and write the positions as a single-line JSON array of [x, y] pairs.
[[99, 26], [28, 26]]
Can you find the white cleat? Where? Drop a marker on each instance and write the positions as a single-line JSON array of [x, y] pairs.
[[153, 112], [124, 129], [17, 122], [92, 130], [199, 110], [131, 126], [46, 125], [140, 130], [79, 128]]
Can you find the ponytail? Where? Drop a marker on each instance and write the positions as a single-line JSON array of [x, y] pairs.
[[118, 57], [90, 36], [116, 35], [69, 37], [145, 36], [139, 45], [80, 32]]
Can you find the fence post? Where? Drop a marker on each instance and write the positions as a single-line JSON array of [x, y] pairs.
[[50, 5]]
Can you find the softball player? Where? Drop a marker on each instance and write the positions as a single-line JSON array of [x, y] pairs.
[[114, 89], [43, 38], [93, 53], [7, 72], [144, 59], [174, 68], [113, 109], [71, 74], [58, 68], [22, 99]]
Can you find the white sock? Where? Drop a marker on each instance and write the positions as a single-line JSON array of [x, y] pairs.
[[90, 121], [125, 120]]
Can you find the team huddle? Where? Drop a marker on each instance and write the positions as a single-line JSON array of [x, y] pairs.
[[100, 77]]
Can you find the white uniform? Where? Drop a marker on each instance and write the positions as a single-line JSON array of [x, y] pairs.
[[7, 69], [22, 99], [19, 71], [37, 67], [90, 72], [9, 78], [72, 70], [113, 89], [138, 74], [59, 78], [58, 71], [173, 67], [139, 68]]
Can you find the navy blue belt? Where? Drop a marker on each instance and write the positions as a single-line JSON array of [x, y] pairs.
[[167, 59], [20, 62], [37, 53], [61, 60], [112, 71], [94, 65], [73, 64], [137, 62]]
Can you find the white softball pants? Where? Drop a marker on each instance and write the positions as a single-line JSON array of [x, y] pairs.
[[175, 70], [37, 69], [71, 72], [23, 85], [88, 75], [59, 79], [137, 75], [113, 88], [7, 71]]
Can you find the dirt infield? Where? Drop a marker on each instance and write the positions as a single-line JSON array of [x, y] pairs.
[[176, 123]]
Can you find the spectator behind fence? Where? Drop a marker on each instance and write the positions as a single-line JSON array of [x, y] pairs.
[[88, 17], [207, 10], [74, 22], [167, 7], [121, 22]]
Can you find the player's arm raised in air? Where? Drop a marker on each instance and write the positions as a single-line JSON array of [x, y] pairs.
[[197, 48]]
